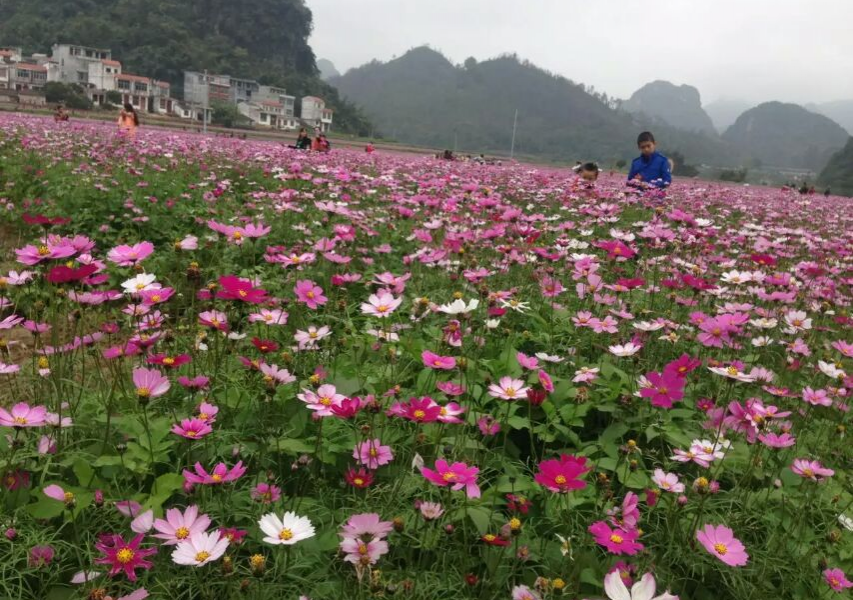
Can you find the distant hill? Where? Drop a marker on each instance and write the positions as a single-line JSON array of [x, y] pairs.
[[840, 111], [422, 98], [327, 69], [838, 173], [679, 106], [262, 39], [786, 135], [725, 112]]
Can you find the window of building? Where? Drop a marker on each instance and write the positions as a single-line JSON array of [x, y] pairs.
[[123, 84]]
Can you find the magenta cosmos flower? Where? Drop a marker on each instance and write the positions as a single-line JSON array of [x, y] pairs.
[[127, 256], [665, 388], [192, 429], [811, 469], [124, 556], [616, 540], [150, 383], [23, 415], [457, 476], [309, 293], [508, 388], [266, 493], [434, 361], [215, 319], [562, 475], [179, 526], [719, 540], [33, 255], [219, 474], [836, 579], [372, 454]]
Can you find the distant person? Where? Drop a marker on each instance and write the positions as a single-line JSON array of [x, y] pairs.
[[369, 149], [651, 167], [804, 189], [321, 143], [60, 115], [303, 142], [448, 155], [828, 192], [128, 121], [587, 172]]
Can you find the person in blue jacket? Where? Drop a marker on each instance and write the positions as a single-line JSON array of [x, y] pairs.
[[651, 167]]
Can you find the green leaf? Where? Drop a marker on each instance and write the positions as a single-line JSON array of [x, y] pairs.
[[291, 446], [481, 518], [517, 422], [46, 508], [590, 577], [84, 472]]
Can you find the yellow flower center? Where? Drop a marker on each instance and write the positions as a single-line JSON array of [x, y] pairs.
[[732, 371], [808, 472], [243, 293], [43, 364], [125, 555], [20, 420], [419, 414], [515, 523], [69, 497], [373, 452], [310, 295], [490, 537], [155, 298], [312, 335], [616, 538], [358, 481], [143, 392], [510, 391], [559, 479], [721, 549], [140, 287], [216, 477], [237, 235], [285, 534], [191, 433], [663, 391], [449, 476], [325, 401], [203, 416], [257, 561], [43, 251], [202, 556], [182, 533], [168, 361], [362, 549]]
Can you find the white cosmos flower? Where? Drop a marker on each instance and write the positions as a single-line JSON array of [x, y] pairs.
[[629, 349], [143, 523], [761, 341], [646, 326], [286, 530], [493, 323], [703, 222], [642, 590], [140, 283], [763, 323], [458, 307], [551, 358], [732, 372], [830, 370], [515, 305], [565, 546], [846, 522], [200, 549]]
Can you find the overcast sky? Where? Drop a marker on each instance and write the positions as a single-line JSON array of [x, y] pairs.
[[756, 50]]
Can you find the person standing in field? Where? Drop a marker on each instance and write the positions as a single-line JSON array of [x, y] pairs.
[[650, 168], [128, 121]]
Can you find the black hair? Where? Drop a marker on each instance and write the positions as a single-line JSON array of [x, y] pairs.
[[129, 108], [644, 137], [589, 166]]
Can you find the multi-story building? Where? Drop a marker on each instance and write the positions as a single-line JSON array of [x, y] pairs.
[[10, 54], [134, 89], [271, 107], [25, 76], [102, 76], [315, 113], [160, 101], [73, 62], [4, 75], [205, 89], [244, 90]]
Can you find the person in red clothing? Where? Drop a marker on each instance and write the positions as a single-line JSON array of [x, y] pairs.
[[128, 121]]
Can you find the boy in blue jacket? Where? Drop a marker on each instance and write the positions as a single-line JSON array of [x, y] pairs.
[[651, 167]]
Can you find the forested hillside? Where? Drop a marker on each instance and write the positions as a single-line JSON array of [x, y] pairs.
[[263, 39]]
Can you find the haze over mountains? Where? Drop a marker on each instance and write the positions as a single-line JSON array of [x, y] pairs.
[[423, 98]]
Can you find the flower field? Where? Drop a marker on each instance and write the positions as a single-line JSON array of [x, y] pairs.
[[232, 370]]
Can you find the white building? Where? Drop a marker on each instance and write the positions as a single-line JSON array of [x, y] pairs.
[[271, 107], [10, 54], [73, 62], [315, 113]]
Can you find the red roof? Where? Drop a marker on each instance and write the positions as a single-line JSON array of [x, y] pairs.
[[27, 67], [130, 77], [163, 84], [111, 63], [6, 53], [271, 103]]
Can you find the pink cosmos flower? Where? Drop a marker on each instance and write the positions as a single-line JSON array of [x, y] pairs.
[[616, 540], [219, 474], [207, 412], [665, 388], [178, 526], [40, 556], [450, 413], [488, 425], [266, 493], [150, 383], [55, 492], [668, 482], [215, 319], [363, 553], [817, 397], [367, 526], [836, 579], [508, 388], [192, 429], [309, 293], [450, 388], [773, 440], [585, 375], [195, 383], [33, 255], [434, 361], [720, 542], [307, 340], [419, 410], [322, 401], [562, 475], [23, 415], [269, 317], [522, 592], [528, 362], [380, 305], [124, 556], [811, 469], [457, 476], [372, 454], [127, 256]]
